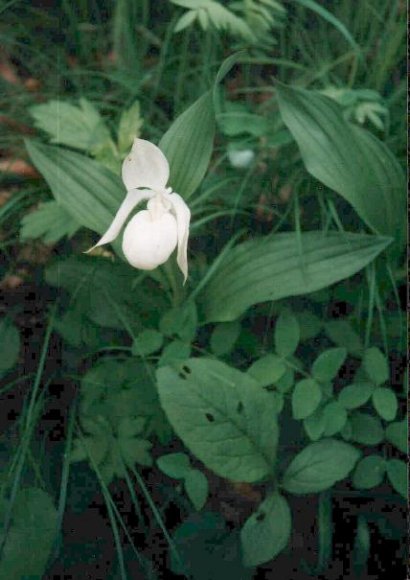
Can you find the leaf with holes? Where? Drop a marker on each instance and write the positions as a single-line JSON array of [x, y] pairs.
[[280, 266], [266, 533], [319, 466], [223, 416]]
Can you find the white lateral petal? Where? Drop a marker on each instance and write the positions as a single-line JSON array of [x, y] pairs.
[[131, 200], [183, 216], [145, 166]]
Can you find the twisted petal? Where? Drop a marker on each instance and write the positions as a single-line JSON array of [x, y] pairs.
[[145, 166], [183, 216], [131, 200], [149, 241]]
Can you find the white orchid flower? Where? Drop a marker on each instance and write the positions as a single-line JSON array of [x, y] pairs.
[[152, 234]]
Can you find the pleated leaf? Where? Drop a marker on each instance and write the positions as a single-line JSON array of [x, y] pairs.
[[89, 192], [188, 145], [346, 158], [273, 268]]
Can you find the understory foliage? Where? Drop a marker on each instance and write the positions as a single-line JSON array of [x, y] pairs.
[[275, 375]]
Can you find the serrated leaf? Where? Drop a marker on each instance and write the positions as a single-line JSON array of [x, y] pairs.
[[287, 334], [355, 395], [196, 487], [346, 158], [398, 476], [80, 127], [328, 364], [266, 532], [175, 465], [31, 536], [306, 398], [397, 435], [369, 472], [50, 222], [366, 429], [223, 416], [267, 370], [319, 466], [273, 268], [385, 403], [376, 365]]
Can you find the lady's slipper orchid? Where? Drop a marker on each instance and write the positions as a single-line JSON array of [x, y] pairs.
[[152, 234]]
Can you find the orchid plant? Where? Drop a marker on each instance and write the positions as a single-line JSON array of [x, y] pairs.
[[152, 234]]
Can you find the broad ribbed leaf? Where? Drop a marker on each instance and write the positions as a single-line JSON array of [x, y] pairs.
[[30, 538], [188, 145], [223, 416], [273, 268], [89, 192], [346, 158]]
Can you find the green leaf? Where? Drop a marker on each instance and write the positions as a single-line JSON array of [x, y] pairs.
[[306, 398], [188, 145], [196, 487], [342, 334], [285, 383], [147, 342], [385, 403], [78, 127], [10, 345], [335, 417], [361, 548], [376, 365], [355, 395], [223, 416], [88, 192], [287, 334], [224, 336], [319, 466], [398, 477], [175, 353], [267, 531], [267, 370], [309, 324], [273, 268], [346, 158], [175, 465], [315, 425], [328, 364], [397, 434], [31, 536], [366, 429], [50, 222], [181, 321], [331, 18], [129, 127], [369, 472]]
